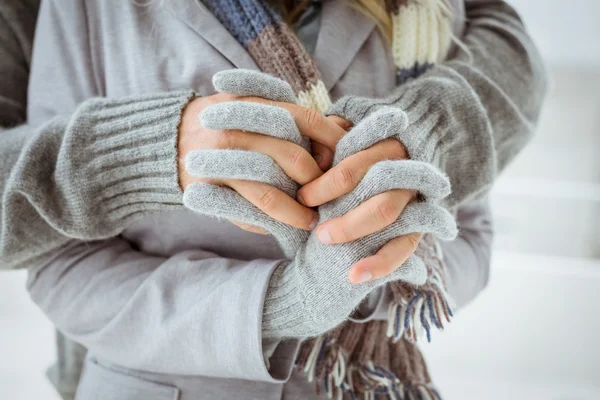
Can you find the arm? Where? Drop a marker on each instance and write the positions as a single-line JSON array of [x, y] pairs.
[[58, 181], [473, 113], [192, 314]]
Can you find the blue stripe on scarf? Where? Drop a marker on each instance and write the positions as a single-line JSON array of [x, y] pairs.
[[244, 19]]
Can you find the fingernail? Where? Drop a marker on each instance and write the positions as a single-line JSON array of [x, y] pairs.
[[363, 277], [300, 199], [314, 222], [324, 236]]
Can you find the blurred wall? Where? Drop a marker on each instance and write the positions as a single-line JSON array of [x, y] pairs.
[[566, 31], [548, 201]]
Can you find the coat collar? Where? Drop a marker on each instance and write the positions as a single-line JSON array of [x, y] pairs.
[[194, 14], [342, 33]]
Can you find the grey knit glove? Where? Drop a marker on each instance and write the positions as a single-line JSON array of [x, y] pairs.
[[269, 120], [312, 294]]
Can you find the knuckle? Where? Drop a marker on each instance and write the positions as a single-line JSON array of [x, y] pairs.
[[344, 178], [224, 140], [304, 219], [413, 242], [312, 117], [297, 157], [341, 234], [385, 212], [267, 199], [395, 149]]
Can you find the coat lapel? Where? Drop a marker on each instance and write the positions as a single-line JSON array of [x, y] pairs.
[[198, 18], [342, 33]]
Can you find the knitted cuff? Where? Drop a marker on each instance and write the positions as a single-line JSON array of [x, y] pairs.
[[418, 117], [284, 314], [434, 109], [123, 153]]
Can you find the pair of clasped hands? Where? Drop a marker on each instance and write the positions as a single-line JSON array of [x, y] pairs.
[[319, 183]]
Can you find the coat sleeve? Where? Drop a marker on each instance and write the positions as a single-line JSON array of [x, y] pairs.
[[83, 167], [90, 168], [194, 313]]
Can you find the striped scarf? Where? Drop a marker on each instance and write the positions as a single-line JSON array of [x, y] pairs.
[[377, 359]]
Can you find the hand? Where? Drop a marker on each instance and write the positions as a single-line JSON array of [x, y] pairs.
[[293, 159], [371, 216]]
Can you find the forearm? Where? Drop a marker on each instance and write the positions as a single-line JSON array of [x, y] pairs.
[[473, 113], [193, 313], [87, 176]]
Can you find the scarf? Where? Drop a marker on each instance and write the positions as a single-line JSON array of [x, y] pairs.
[[376, 359]]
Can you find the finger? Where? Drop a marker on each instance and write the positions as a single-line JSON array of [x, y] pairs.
[[320, 152], [252, 116], [250, 228], [311, 123], [244, 82], [315, 125], [380, 125], [276, 204], [295, 161], [224, 202], [343, 123], [239, 165], [322, 155], [371, 216], [386, 260], [345, 176]]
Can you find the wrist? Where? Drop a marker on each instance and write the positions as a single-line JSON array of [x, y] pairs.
[[188, 131]]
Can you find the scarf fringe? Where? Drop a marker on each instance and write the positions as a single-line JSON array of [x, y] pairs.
[[346, 380], [378, 359], [345, 365], [414, 317]]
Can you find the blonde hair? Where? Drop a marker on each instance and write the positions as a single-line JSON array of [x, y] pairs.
[[374, 9]]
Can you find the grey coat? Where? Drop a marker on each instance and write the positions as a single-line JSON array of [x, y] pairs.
[[161, 317]]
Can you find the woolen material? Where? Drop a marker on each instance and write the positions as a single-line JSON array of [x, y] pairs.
[[304, 304], [279, 52], [93, 290]]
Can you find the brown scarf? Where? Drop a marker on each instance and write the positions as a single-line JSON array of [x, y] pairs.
[[377, 359]]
